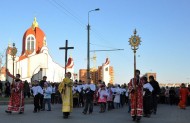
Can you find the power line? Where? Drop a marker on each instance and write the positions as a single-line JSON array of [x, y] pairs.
[[102, 46], [105, 50], [60, 5], [73, 15]]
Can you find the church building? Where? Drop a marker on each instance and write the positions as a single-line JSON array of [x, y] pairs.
[[35, 60]]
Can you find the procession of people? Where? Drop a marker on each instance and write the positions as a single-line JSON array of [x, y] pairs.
[[141, 96]]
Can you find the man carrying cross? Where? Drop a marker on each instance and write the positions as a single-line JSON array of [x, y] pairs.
[[65, 87]]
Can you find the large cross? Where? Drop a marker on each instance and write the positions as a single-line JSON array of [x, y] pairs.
[[66, 48]]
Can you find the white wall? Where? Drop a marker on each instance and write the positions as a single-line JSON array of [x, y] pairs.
[[31, 66], [105, 74]]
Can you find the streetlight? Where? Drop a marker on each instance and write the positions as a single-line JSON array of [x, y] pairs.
[[88, 45], [13, 53]]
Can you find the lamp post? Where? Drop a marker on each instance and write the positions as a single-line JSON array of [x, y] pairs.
[[134, 41], [13, 54], [88, 45]]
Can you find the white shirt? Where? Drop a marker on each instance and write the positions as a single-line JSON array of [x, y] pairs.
[[117, 95], [122, 90], [148, 86], [102, 93], [91, 86], [36, 90], [76, 88]]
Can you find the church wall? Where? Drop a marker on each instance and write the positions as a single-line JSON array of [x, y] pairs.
[[9, 63], [31, 66], [37, 62], [55, 72], [22, 68]]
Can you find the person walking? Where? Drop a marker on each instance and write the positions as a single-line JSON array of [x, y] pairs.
[[183, 93], [155, 94], [147, 96], [89, 90], [136, 91], [65, 88], [16, 101]]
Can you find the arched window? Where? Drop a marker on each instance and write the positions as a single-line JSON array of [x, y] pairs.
[[30, 43]]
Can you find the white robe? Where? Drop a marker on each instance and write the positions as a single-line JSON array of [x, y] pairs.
[[117, 93]]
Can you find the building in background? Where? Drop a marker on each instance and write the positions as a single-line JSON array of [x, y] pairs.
[[150, 74], [83, 75], [104, 73], [35, 60]]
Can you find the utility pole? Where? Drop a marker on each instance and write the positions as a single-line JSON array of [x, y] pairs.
[[88, 45], [66, 48]]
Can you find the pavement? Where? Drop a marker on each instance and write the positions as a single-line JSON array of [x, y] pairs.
[[165, 114]]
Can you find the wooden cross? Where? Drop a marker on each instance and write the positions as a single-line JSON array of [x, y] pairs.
[[66, 48]]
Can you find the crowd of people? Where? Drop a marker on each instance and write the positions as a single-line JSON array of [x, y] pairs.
[[141, 95]]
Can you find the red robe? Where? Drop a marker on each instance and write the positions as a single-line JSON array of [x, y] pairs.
[[16, 102], [136, 102], [183, 93]]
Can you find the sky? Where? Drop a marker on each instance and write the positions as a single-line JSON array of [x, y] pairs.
[[163, 25]]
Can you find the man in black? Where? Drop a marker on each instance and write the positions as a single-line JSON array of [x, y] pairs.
[[7, 89], [81, 95], [26, 89], [89, 94], [42, 96], [155, 93], [43, 81], [147, 88]]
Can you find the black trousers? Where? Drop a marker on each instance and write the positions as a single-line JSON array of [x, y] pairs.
[[81, 100], [147, 104], [37, 102], [41, 101], [172, 100], [88, 104], [53, 98], [110, 105], [154, 103], [102, 107], [75, 102]]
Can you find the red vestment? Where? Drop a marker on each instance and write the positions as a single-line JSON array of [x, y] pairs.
[[136, 97], [16, 102], [183, 93]]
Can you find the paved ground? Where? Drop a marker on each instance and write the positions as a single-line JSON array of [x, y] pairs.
[[166, 114]]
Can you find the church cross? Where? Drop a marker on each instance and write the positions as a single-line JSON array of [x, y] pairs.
[[66, 48]]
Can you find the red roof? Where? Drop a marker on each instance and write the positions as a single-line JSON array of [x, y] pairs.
[[39, 36]]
